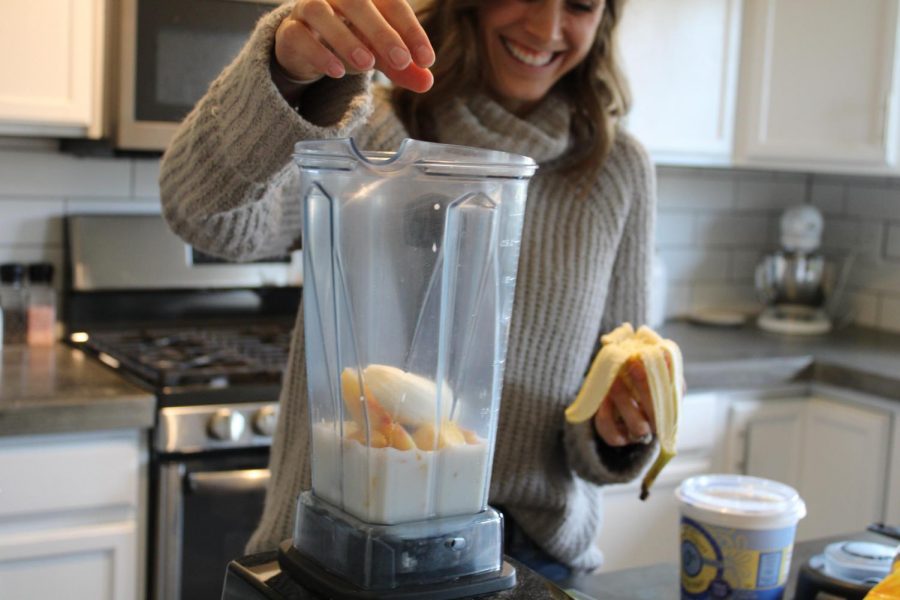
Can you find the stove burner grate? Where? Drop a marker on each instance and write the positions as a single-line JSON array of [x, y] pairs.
[[214, 357]]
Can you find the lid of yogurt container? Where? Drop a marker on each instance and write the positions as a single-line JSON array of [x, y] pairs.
[[741, 501]]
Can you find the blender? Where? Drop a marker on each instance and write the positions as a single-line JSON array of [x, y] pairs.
[[410, 264], [796, 281]]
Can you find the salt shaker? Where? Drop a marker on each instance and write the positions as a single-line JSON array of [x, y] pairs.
[[41, 305]]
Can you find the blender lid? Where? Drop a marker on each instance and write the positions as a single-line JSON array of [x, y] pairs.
[[858, 561], [431, 158]]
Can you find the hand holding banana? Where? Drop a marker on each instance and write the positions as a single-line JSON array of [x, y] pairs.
[[634, 388], [336, 37]]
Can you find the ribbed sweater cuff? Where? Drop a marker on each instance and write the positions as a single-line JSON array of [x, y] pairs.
[[592, 459], [251, 112]]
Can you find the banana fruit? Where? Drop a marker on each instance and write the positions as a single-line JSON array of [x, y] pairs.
[[663, 364], [409, 399]]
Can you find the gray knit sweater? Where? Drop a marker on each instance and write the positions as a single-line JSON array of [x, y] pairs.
[[228, 187]]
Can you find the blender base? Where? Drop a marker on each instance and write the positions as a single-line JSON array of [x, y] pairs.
[[318, 580]]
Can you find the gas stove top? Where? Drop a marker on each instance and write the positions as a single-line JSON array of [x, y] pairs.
[[195, 357]]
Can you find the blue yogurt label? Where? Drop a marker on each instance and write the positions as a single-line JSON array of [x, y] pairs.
[[741, 564]]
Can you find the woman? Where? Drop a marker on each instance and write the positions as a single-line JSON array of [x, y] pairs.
[[533, 77]]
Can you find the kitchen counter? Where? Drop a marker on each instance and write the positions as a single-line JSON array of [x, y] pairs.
[[662, 582], [61, 390], [863, 360]]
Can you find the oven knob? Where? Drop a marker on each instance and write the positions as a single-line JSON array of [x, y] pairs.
[[226, 425], [264, 420]]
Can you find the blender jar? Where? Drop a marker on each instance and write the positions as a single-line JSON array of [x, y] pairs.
[[409, 273]]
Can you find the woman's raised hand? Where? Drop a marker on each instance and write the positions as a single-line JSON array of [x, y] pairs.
[[335, 37]]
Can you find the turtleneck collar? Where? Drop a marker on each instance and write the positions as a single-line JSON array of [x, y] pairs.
[[479, 121]]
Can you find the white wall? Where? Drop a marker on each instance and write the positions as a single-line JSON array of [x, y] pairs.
[[714, 224]]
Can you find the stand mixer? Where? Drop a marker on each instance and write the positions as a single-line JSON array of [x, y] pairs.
[[796, 281]]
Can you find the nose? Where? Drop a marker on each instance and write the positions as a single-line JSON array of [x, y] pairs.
[[545, 21]]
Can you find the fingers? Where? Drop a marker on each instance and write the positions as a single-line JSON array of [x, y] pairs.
[[392, 28], [333, 37], [635, 379], [636, 423], [626, 414], [609, 426], [301, 55]]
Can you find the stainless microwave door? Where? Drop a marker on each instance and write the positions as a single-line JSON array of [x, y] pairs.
[[171, 50]]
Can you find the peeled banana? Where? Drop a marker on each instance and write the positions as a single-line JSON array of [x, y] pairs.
[[409, 399], [663, 364]]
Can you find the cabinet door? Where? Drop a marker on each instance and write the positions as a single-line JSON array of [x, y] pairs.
[[51, 74], [636, 533], [94, 562], [816, 84], [766, 438], [681, 59], [844, 468]]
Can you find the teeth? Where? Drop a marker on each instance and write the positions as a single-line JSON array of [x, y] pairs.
[[528, 56]]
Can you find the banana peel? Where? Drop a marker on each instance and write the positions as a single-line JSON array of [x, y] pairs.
[[663, 364]]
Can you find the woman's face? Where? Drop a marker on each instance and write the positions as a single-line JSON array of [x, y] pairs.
[[532, 44]]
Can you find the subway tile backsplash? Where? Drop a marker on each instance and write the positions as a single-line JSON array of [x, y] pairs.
[[733, 219], [714, 225]]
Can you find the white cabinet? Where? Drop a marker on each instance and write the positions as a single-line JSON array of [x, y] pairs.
[[681, 59], [637, 533], [845, 453], [51, 75], [778, 84], [817, 84], [71, 516], [833, 451], [766, 437]]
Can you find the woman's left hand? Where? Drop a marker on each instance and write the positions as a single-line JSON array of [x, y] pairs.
[[626, 414]]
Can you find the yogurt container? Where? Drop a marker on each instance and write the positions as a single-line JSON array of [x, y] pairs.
[[737, 536]]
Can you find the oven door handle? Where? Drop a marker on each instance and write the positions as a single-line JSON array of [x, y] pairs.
[[243, 480]]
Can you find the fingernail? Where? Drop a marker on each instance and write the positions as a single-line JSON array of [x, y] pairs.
[[424, 55], [362, 58], [399, 57], [336, 70]]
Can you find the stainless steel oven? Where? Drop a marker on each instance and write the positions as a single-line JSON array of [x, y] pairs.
[[210, 340], [207, 502], [169, 52]]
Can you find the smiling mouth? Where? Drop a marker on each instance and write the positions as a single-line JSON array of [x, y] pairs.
[[532, 58]]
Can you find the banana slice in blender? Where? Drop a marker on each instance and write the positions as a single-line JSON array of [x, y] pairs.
[[663, 364], [409, 399]]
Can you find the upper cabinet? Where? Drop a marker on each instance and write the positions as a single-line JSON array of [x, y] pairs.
[[51, 76], [816, 86], [778, 84], [682, 62]]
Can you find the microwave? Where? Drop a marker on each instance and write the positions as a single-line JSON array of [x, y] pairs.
[[169, 51]]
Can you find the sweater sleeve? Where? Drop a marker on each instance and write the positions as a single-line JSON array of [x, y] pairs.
[[589, 456], [227, 182]]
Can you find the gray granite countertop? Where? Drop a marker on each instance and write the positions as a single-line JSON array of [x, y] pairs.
[[61, 390], [863, 360]]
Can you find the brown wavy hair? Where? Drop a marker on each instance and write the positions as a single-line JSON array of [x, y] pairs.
[[596, 89]]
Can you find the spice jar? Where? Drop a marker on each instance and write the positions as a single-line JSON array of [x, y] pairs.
[[13, 302], [41, 310]]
